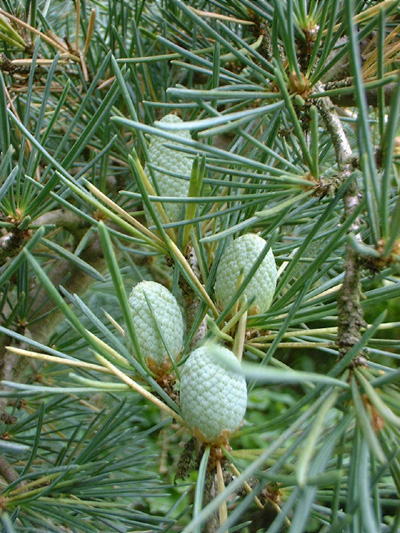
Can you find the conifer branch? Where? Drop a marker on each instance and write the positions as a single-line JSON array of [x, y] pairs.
[[191, 300], [350, 312]]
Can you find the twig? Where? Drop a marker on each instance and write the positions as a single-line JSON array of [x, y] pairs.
[[192, 301], [63, 219], [344, 154], [211, 492], [7, 471], [350, 312]]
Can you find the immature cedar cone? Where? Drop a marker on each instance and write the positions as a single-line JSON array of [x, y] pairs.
[[170, 161], [213, 393], [156, 318], [235, 263]]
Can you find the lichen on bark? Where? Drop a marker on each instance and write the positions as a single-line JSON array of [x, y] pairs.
[[350, 312]]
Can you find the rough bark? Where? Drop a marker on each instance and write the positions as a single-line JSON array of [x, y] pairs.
[[350, 312]]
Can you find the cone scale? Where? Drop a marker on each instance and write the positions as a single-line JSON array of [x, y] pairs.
[[213, 394], [170, 161], [157, 319], [235, 263]]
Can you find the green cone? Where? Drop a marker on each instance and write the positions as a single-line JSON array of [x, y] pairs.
[[160, 321], [236, 262], [213, 393], [170, 160]]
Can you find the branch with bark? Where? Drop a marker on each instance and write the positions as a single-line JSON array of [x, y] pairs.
[[192, 301], [350, 312]]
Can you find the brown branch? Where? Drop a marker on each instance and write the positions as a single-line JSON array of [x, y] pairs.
[[192, 302], [7, 471], [13, 240], [344, 154], [350, 312], [210, 493], [76, 282], [63, 219], [349, 99]]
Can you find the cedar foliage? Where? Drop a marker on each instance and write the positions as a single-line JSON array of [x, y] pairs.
[[293, 109]]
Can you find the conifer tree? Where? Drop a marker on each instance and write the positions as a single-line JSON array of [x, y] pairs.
[[199, 266]]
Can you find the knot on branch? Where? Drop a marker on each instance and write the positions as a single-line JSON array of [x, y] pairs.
[[12, 242]]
